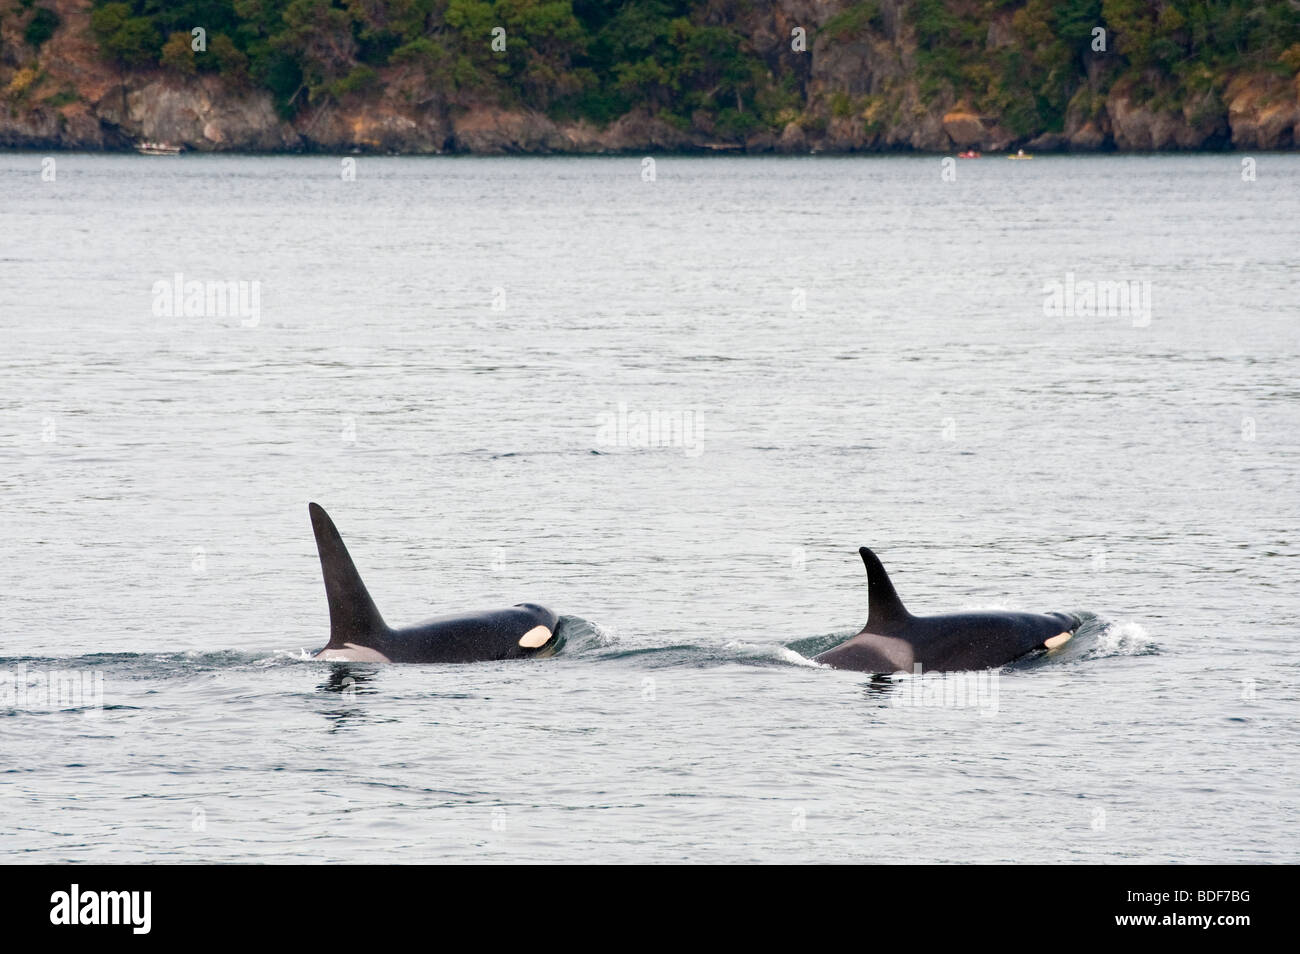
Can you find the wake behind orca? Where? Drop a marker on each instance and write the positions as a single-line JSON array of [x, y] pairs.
[[894, 640], [359, 634]]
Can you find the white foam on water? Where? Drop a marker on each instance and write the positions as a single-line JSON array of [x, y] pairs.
[[786, 654], [780, 653], [1123, 638], [302, 655]]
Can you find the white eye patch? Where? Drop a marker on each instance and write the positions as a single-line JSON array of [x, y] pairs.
[[1058, 640], [537, 636]]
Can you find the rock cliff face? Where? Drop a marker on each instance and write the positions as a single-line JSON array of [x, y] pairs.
[[860, 93]]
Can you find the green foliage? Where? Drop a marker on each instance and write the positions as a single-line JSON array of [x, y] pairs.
[[854, 21], [131, 40], [41, 26], [177, 54], [63, 97], [1163, 52], [692, 63], [541, 38], [229, 60], [361, 78]]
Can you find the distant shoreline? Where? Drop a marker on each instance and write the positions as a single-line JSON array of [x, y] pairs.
[[682, 153], [843, 77]]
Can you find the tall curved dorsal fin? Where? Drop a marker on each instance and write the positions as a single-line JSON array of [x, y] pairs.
[[886, 609], [353, 616]]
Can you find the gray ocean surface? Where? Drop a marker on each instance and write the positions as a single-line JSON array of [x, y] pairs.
[[672, 409]]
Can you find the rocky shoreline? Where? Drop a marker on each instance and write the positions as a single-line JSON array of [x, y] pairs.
[[859, 97]]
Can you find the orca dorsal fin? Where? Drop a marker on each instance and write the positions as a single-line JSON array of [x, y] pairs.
[[886, 609], [353, 616]]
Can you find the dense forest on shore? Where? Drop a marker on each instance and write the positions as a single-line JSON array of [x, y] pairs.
[[731, 69], [599, 58]]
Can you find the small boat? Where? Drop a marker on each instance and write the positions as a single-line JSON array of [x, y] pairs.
[[147, 148], [1021, 154], [969, 154]]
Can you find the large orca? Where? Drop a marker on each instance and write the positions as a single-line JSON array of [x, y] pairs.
[[358, 633], [895, 640]]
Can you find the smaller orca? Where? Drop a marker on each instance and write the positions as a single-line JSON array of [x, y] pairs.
[[359, 634], [894, 640]]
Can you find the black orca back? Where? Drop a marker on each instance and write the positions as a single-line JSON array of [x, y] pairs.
[[471, 637], [512, 633], [893, 638]]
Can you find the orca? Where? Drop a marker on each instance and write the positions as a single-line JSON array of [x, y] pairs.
[[894, 640], [359, 634]]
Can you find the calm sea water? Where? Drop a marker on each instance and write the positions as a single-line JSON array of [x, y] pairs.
[[462, 359]]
